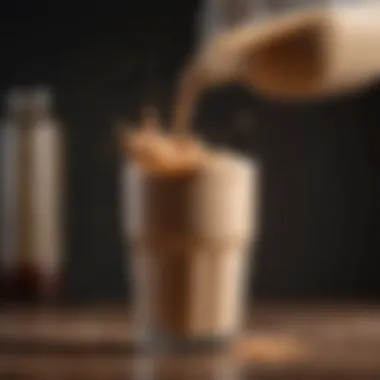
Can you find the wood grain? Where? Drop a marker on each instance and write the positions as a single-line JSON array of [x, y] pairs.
[[281, 342]]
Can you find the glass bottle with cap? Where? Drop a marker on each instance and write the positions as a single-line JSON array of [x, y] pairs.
[[32, 196]]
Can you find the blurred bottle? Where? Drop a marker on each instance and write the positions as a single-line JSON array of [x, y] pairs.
[[31, 219]]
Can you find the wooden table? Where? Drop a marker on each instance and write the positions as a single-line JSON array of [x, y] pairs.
[[292, 342]]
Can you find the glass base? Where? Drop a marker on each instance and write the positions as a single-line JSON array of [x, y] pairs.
[[170, 343]]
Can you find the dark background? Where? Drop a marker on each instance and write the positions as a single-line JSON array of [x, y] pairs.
[[106, 60]]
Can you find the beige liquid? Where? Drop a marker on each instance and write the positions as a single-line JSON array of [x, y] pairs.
[[308, 54], [191, 217], [281, 56], [191, 233]]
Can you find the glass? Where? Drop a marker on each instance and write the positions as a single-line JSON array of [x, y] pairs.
[[190, 236], [218, 366]]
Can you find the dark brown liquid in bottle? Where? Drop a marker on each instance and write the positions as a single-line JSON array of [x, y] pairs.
[[27, 284]]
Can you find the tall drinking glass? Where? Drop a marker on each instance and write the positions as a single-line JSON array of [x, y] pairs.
[[190, 235]]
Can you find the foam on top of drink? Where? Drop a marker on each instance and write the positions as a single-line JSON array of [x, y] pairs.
[[227, 161], [162, 152], [167, 153]]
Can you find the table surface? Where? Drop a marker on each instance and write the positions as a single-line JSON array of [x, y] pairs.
[[281, 342]]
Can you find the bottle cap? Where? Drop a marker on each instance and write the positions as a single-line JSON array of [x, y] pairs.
[[15, 100]]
